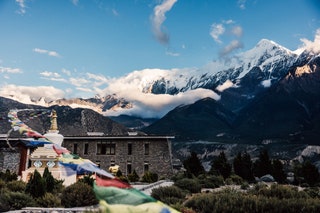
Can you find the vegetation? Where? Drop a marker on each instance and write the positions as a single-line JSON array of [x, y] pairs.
[[78, 194], [229, 186], [234, 187]]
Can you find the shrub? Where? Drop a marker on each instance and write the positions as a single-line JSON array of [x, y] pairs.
[[169, 194], [192, 185], [14, 201], [234, 179], [281, 192], [211, 181], [49, 201], [8, 176], [78, 194], [87, 179], [150, 177], [313, 192], [133, 177], [16, 186]]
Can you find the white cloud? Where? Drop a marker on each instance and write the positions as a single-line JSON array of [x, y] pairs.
[[22, 6], [237, 31], [242, 4], [98, 80], [133, 88], [9, 70], [216, 31], [79, 82], [50, 74], [151, 105], [47, 52], [157, 19], [312, 46], [227, 84], [25, 94], [235, 44], [172, 53], [67, 72]]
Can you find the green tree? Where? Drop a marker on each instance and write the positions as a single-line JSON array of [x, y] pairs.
[[193, 165], [36, 186], [278, 172], [243, 166], [262, 166], [49, 180], [310, 173], [221, 166]]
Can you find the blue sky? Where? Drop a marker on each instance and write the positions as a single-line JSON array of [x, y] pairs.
[[73, 48]]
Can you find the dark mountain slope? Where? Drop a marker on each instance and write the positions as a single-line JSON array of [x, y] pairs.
[[288, 111], [205, 119], [71, 121]]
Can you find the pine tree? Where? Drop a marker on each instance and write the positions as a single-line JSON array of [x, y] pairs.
[[193, 165], [221, 166], [49, 180], [262, 166], [278, 172], [243, 166], [36, 186]]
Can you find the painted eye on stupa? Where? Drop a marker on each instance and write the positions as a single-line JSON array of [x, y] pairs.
[[51, 164], [37, 163]]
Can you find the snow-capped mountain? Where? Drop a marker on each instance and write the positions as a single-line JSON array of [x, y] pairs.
[[154, 92], [271, 60]]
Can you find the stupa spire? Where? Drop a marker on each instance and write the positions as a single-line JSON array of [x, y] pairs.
[[54, 124]]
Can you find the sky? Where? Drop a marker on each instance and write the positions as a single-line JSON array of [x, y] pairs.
[[77, 48]]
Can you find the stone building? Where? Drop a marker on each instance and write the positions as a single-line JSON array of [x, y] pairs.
[[132, 152]]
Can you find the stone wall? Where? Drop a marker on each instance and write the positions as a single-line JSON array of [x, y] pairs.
[[157, 159], [9, 159]]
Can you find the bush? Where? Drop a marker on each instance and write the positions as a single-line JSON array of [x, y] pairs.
[[87, 179], [16, 186], [169, 194], [211, 181], [281, 192], [78, 194], [192, 185], [150, 177], [313, 192], [230, 201], [8, 176], [133, 177], [49, 201], [14, 201], [234, 179]]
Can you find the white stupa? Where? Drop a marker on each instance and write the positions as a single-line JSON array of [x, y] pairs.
[[53, 133], [46, 156]]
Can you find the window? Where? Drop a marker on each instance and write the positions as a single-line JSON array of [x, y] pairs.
[[146, 167], [146, 149], [129, 168], [86, 149], [129, 148], [75, 148], [106, 148]]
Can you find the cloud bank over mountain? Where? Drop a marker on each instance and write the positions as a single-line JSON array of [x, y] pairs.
[[134, 87]]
